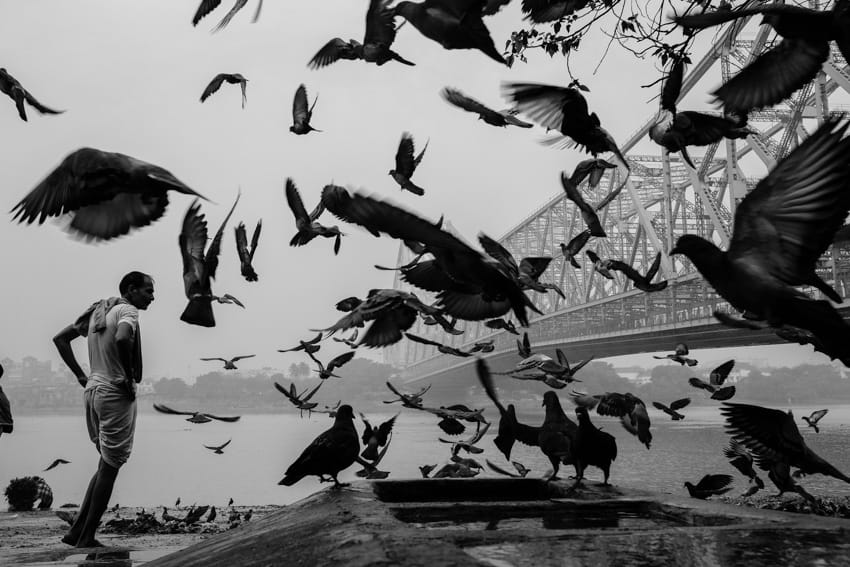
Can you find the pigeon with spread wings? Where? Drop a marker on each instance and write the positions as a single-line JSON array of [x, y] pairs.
[[454, 24], [629, 408], [230, 78], [782, 227], [469, 285], [565, 110], [301, 115], [790, 63], [55, 464], [300, 401], [10, 86], [406, 164], [743, 460], [229, 364], [575, 245], [196, 416], [500, 118], [643, 283], [413, 401], [391, 311], [246, 254], [307, 224], [375, 437], [675, 131], [679, 355], [218, 449], [208, 6], [326, 372], [380, 35], [104, 194], [774, 435], [814, 418], [672, 409], [199, 269], [309, 347], [445, 349]]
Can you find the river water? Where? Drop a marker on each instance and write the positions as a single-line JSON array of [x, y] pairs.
[[169, 460]]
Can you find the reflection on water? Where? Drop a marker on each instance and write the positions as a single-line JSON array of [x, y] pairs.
[[754, 548], [169, 460]]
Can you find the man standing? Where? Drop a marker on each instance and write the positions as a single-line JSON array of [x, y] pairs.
[[115, 357], [6, 421]]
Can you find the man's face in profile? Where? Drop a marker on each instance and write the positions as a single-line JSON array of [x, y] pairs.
[[142, 296]]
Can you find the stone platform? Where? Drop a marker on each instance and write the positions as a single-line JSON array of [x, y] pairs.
[[517, 522]]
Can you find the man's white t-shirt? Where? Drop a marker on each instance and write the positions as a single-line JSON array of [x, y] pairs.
[[103, 350]]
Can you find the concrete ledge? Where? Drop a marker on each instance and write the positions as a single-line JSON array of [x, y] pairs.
[[500, 522]]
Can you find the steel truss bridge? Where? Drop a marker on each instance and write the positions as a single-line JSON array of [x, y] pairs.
[[662, 199]]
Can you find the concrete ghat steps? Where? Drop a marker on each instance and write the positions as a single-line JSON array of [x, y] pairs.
[[517, 522]]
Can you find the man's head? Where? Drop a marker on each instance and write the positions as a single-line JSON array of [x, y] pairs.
[[137, 288]]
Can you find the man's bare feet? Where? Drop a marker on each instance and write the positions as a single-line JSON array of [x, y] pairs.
[[89, 543]]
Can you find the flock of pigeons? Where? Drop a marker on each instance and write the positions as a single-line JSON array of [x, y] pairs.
[[780, 230]]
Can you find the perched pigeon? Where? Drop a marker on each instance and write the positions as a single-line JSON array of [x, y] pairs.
[[592, 447], [330, 453], [710, 485]]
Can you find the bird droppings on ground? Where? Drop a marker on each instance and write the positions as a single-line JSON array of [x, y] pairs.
[[829, 507], [35, 536]]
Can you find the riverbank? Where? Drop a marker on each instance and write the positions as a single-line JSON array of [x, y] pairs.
[[33, 538]]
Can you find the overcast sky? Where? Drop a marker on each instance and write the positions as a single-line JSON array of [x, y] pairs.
[[130, 75]]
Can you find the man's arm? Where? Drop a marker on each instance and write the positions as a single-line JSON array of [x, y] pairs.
[[124, 343], [62, 340]]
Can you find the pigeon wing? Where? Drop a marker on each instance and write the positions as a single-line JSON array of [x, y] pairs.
[[211, 258], [404, 162], [213, 86], [204, 8], [787, 222]]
